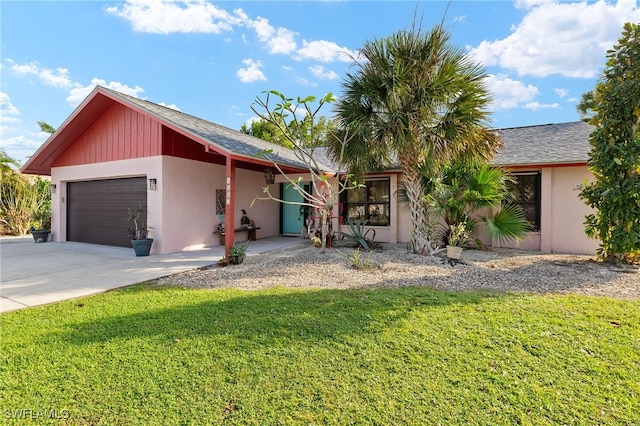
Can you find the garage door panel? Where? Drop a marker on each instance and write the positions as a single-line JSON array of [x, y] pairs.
[[97, 210]]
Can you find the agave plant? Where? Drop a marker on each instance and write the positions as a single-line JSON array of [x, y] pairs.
[[357, 233]]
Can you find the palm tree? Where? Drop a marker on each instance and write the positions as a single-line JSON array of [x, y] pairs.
[[463, 193], [46, 127], [6, 163], [416, 99]]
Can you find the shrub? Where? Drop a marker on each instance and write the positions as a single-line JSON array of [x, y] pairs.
[[24, 204]]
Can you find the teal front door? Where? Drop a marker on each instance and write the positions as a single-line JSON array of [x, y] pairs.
[[291, 218]]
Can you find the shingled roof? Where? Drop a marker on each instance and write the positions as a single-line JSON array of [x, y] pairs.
[[216, 138], [546, 144], [227, 139], [564, 143]]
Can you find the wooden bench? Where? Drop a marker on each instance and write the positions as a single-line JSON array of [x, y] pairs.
[[251, 234]]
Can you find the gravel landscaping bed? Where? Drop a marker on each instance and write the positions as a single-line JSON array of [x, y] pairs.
[[508, 270]]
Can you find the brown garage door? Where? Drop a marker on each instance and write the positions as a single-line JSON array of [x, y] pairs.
[[97, 210]]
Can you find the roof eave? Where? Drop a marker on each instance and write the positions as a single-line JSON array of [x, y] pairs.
[[541, 164]]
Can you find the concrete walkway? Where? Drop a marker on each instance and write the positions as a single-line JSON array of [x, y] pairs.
[[36, 274]]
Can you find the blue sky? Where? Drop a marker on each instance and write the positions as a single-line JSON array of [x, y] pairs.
[[212, 59]]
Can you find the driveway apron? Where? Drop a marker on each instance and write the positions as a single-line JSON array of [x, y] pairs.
[[33, 274]]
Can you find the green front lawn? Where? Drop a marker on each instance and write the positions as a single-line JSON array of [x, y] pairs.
[[163, 355]]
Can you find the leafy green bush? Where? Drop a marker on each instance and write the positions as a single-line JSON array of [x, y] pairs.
[[41, 216], [17, 204], [23, 202], [612, 108]]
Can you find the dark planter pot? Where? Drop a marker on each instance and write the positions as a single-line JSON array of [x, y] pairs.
[[41, 235], [142, 247]]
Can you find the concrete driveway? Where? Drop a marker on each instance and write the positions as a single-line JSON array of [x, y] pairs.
[[36, 274]]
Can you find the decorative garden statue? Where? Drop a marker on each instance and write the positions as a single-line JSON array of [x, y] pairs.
[[244, 220]]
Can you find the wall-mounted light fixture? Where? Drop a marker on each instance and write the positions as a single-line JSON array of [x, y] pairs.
[[153, 184], [269, 177], [52, 188]]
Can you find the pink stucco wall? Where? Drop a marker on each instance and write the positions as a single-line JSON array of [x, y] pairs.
[[562, 213], [182, 209], [189, 210], [563, 230], [188, 203]]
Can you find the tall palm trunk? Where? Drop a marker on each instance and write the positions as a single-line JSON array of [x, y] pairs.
[[420, 232]]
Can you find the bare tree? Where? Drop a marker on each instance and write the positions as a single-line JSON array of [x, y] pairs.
[[296, 121]]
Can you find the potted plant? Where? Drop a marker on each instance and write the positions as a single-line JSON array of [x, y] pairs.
[[457, 240], [237, 253], [139, 233], [41, 225]]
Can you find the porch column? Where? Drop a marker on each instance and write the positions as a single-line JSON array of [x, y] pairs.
[[229, 213], [546, 200]]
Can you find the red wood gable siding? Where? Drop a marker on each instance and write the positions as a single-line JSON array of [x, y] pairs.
[[177, 145], [120, 134]]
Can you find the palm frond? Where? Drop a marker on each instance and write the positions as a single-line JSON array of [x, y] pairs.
[[507, 224]]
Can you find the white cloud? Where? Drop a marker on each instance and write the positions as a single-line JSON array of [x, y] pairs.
[[54, 78], [528, 4], [303, 81], [570, 39], [165, 17], [25, 69], [320, 72], [461, 18], [201, 16], [4, 120], [21, 142], [60, 78], [324, 51], [78, 94], [535, 106], [278, 40], [283, 42], [57, 78], [252, 72], [264, 30], [6, 129], [172, 106], [508, 93], [253, 119], [8, 110], [562, 93]]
